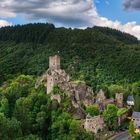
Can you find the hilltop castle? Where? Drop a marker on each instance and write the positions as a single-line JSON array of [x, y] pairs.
[[79, 92]]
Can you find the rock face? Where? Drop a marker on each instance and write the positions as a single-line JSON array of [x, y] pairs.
[[82, 93], [79, 92]]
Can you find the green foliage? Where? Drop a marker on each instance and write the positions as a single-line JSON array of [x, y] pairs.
[[137, 137], [58, 90], [4, 106], [29, 33], [122, 111], [116, 89], [93, 110], [137, 103], [96, 55], [110, 115], [65, 128], [27, 113], [102, 57], [127, 38], [29, 137], [136, 88], [9, 128], [131, 128]]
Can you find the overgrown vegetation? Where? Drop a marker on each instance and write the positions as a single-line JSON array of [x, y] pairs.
[[28, 113], [102, 57]]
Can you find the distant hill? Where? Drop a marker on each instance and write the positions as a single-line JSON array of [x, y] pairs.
[[97, 55]]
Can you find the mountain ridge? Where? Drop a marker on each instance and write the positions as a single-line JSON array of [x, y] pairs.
[[97, 55]]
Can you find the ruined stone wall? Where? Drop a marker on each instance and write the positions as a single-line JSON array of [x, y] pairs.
[[57, 77], [50, 83], [100, 97], [94, 124], [79, 93], [119, 99]]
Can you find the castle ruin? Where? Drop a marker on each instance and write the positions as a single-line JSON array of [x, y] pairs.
[[79, 93], [55, 76], [119, 99], [94, 124]]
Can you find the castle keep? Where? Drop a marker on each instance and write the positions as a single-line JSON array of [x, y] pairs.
[[54, 62], [55, 75]]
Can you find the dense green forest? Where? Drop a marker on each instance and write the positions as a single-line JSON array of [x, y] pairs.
[[102, 57], [27, 113], [96, 55]]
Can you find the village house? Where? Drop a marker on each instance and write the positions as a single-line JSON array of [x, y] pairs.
[[94, 124], [136, 120], [130, 100]]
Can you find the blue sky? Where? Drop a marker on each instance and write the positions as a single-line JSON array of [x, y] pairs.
[[112, 9], [115, 11], [119, 14]]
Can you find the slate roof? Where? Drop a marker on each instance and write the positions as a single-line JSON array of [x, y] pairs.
[[136, 115], [130, 98]]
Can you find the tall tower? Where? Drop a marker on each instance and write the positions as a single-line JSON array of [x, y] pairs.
[[119, 99], [100, 96], [54, 62]]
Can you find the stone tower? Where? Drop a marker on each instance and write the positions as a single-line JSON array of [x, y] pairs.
[[54, 65], [119, 99], [100, 96], [54, 62]]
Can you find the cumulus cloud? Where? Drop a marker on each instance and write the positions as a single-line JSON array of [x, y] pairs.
[[131, 4], [4, 23], [69, 13], [75, 13]]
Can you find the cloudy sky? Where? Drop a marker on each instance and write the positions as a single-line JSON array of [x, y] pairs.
[[119, 14]]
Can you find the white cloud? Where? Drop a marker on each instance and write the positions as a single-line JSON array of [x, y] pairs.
[[131, 4], [4, 23], [69, 13]]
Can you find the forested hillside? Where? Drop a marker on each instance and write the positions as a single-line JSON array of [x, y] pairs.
[[102, 57], [96, 55]]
